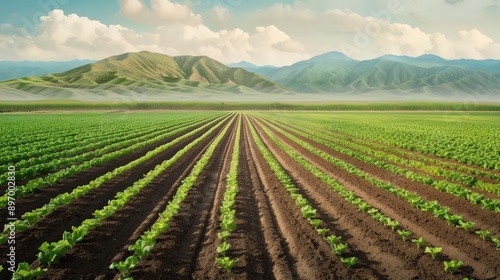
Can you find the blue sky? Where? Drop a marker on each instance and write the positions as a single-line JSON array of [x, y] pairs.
[[259, 31]]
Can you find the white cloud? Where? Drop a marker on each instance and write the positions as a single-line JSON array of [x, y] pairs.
[[468, 44], [66, 37], [163, 12], [357, 36]]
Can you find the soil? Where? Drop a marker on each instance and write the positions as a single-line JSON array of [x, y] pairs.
[[272, 239]]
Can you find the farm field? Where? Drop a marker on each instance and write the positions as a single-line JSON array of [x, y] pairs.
[[250, 195]]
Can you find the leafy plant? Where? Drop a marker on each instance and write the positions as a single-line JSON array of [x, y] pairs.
[[23, 272], [322, 231], [226, 263], [223, 247], [433, 251], [142, 247], [483, 233], [51, 252], [419, 242], [308, 211], [339, 249], [466, 225], [315, 222], [404, 234], [125, 266], [332, 240], [496, 240], [452, 266], [349, 262]]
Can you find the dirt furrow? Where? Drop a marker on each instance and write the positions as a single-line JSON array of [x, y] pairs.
[[51, 228], [311, 255], [485, 219], [378, 249], [481, 256], [43, 196], [178, 249], [416, 155], [91, 258]]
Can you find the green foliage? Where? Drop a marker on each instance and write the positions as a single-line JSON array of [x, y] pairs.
[[349, 262], [433, 251], [226, 263], [23, 272], [452, 266], [125, 266], [404, 234], [420, 242]]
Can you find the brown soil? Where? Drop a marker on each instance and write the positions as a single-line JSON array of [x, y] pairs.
[[456, 243], [272, 239]]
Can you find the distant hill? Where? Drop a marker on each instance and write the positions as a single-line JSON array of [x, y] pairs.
[[335, 72], [132, 73], [18, 69], [152, 76]]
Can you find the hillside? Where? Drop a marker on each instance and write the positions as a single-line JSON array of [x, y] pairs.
[[145, 73], [335, 72]]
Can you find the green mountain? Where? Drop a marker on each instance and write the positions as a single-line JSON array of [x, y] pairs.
[[335, 72], [145, 73]]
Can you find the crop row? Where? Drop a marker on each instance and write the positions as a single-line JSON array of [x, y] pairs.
[[92, 151], [387, 157], [146, 243], [362, 205], [29, 218], [398, 155], [308, 211], [50, 253], [413, 199], [227, 209], [98, 139], [441, 185], [53, 178]]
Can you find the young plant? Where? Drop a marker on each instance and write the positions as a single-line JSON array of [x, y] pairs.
[[315, 222], [496, 240], [227, 263], [483, 233], [332, 240], [349, 262], [23, 272], [223, 247], [339, 249], [142, 248], [419, 242], [322, 231], [466, 225], [404, 234], [51, 252], [308, 212], [125, 266], [433, 251], [452, 266]]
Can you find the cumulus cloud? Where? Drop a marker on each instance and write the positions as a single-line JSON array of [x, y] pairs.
[[265, 45], [65, 37], [468, 44], [162, 12], [357, 36]]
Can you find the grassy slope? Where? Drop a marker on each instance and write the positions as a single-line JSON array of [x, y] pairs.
[[389, 73], [145, 73]]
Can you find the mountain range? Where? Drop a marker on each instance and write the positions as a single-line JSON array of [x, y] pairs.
[[18, 69], [335, 72], [144, 74]]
